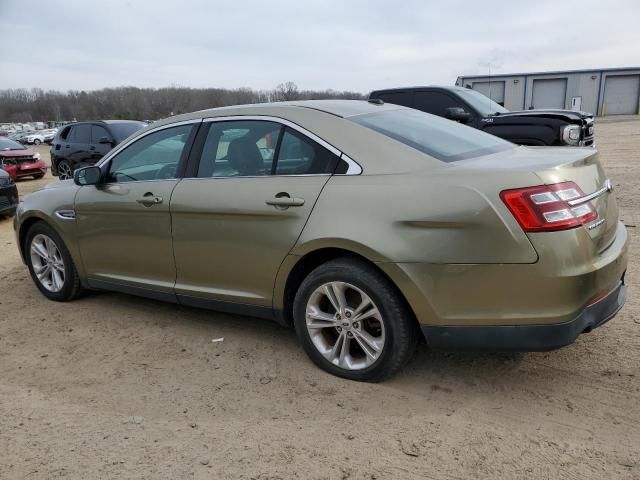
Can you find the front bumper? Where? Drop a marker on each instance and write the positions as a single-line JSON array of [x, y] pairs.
[[526, 337]]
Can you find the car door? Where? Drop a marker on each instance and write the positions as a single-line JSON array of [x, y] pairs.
[[78, 145], [101, 143], [124, 224], [253, 186]]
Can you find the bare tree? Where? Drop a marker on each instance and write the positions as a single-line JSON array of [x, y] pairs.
[[21, 105]]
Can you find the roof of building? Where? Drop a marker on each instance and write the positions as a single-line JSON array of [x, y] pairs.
[[556, 72]]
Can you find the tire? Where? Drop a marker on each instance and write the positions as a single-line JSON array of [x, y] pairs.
[[393, 330], [37, 142], [65, 172], [38, 176], [69, 288]]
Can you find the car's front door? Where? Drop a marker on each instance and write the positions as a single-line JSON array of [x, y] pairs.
[[239, 216], [124, 224]]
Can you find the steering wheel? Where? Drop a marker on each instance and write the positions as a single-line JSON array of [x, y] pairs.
[[167, 172]]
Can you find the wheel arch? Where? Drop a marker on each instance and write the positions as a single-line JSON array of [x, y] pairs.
[[295, 269]]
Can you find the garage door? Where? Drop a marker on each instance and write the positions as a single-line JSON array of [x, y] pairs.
[[493, 90], [549, 93], [621, 94]]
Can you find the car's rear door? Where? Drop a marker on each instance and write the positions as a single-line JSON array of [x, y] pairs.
[[253, 186], [97, 150], [124, 223], [78, 145]]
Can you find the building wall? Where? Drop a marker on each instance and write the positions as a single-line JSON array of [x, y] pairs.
[[589, 85]]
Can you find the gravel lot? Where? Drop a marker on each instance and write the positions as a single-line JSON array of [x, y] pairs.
[[114, 386]]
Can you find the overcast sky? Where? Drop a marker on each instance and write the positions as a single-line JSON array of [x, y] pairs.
[[318, 44]]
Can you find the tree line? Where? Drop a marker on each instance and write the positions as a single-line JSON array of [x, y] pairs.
[[24, 105]]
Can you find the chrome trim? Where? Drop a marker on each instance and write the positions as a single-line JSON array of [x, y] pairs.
[[354, 167], [606, 188], [237, 177], [282, 121], [118, 148], [66, 214]]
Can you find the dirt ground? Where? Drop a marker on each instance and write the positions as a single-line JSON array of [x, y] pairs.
[[114, 386]]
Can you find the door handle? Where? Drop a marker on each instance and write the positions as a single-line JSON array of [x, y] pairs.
[[286, 201], [149, 199]]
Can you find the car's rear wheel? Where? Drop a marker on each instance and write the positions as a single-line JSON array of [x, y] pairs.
[[50, 264], [352, 321], [65, 172], [37, 142]]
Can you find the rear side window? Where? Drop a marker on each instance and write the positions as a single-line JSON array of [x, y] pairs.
[[435, 102], [299, 155], [440, 138], [65, 134], [252, 148], [239, 149], [82, 133], [97, 132], [397, 98]]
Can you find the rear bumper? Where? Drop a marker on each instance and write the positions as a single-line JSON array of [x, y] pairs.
[[526, 337]]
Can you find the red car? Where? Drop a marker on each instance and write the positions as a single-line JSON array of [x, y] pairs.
[[18, 161]]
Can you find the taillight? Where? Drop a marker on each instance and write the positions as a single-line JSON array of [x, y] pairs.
[[546, 208]]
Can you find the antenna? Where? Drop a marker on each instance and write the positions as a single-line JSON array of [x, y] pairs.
[[490, 86]]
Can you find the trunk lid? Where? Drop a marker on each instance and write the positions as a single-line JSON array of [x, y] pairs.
[[556, 165]]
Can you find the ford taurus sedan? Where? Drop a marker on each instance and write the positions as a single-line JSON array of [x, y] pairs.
[[364, 226]]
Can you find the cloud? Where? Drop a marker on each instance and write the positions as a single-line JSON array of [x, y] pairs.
[[356, 45]]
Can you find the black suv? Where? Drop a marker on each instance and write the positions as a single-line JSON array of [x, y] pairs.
[[84, 143], [527, 127]]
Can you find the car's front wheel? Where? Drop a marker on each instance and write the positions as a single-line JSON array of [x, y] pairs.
[[37, 142], [50, 264], [353, 322]]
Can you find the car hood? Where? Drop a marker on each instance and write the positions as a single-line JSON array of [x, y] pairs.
[[562, 114], [16, 153]]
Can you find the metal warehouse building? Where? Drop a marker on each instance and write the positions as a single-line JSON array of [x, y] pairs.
[[605, 91]]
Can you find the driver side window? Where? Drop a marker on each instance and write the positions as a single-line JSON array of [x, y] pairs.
[[153, 157]]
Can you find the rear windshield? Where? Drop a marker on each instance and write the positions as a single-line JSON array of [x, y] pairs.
[[443, 139], [123, 130]]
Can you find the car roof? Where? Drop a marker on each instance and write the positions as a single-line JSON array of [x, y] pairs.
[[423, 87], [106, 122], [338, 108]]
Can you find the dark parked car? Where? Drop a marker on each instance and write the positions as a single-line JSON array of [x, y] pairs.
[[8, 194], [528, 127], [84, 143]]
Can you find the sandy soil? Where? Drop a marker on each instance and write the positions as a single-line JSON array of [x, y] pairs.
[[114, 386]]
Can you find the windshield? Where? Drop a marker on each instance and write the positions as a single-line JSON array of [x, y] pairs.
[[124, 129], [484, 105], [440, 138], [8, 144]]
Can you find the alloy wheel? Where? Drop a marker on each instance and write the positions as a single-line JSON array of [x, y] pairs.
[[64, 171], [345, 325], [47, 263]]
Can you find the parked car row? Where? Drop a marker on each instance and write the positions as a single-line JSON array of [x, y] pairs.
[[41, 136]]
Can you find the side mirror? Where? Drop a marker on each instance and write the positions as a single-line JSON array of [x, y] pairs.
[[87, 176], [105, 140], [458, 114]]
